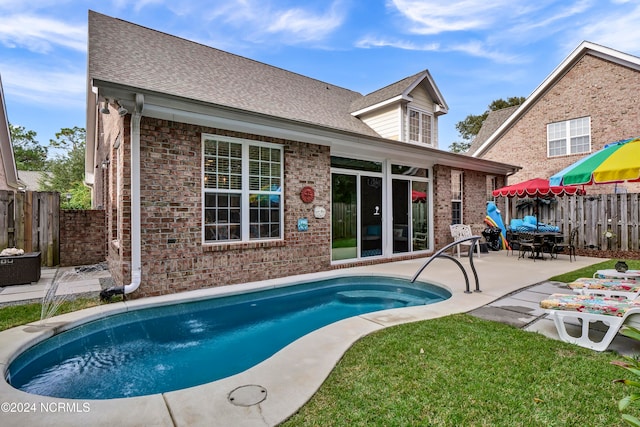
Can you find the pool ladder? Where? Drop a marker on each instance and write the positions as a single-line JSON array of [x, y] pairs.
[[441, 253]]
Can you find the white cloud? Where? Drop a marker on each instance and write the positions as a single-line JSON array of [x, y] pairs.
[[430, 17], [480, 50], [58, 88], [259, 18], [369, 42], [617, 29], [40, 34], [305, 25]]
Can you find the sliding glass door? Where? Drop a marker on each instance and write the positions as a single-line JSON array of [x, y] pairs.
[[370, 216], [344, 218], [356, 216]]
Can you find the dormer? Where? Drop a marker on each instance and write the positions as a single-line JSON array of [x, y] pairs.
[[407, 110]]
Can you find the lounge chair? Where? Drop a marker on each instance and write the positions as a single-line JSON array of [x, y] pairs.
[[587, 309], [620, 288]]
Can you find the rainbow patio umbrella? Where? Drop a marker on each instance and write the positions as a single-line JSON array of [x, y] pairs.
[[616, 162]]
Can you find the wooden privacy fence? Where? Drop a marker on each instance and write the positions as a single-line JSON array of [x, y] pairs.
[[604, 221], [31, 221]]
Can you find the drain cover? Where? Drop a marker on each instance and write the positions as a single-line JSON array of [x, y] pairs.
[[248, 395]]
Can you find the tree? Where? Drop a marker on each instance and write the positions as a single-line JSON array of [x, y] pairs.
[[470, 126], [66, 170], [29, 154]]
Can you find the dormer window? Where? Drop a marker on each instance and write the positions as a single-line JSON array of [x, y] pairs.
[[420, 127]]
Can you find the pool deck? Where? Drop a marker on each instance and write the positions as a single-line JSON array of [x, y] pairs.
[[270, 392]]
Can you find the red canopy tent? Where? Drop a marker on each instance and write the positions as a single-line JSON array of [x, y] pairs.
[[536, 187]]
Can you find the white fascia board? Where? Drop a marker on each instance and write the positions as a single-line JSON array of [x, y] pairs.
[[6, 148], [382, 104], [236, 124], [91, 135]]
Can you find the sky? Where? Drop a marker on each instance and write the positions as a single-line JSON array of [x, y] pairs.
[[477, 51]]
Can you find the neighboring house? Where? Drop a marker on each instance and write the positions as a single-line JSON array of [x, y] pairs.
[[591, 99], [31, 179], [8, 172], [216, 169]]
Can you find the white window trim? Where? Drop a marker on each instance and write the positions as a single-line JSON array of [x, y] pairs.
[[567, 137], [492, 185], [460, 200], [422, 114], [245, 191]]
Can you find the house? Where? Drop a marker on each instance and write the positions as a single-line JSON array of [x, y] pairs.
[[31, 179], [8, 172], [215, 169], [591, 99]]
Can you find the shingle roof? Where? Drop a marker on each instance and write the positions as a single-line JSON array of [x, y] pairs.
[[388, 92], [491, 123], [131, 55], [31, 179]]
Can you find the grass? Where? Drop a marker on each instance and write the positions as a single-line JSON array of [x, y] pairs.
[[463, 371], [589, 271], [16, 315]]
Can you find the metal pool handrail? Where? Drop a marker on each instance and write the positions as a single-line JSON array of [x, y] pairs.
[[440, 253]]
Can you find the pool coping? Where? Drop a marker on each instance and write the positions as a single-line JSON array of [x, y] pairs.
[[290, 377]]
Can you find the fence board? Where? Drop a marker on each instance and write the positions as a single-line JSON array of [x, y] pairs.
[[31, 221], [593, 216]]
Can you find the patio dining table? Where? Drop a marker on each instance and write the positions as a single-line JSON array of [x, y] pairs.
[[545, 239]]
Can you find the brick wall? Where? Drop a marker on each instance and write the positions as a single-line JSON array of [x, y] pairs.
[[474, 202], [173, 256], [606, 92], [82, 237]]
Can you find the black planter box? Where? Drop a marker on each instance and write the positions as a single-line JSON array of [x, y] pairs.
[[19, 269]]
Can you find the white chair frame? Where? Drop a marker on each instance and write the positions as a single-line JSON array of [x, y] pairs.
[[462, 231]]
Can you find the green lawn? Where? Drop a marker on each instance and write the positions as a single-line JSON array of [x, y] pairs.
[[463, 371]]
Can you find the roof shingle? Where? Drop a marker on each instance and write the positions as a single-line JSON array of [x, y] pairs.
[[131, 55]]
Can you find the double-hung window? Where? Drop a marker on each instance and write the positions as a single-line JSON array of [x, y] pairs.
[[492, 184], [569, 137], [456, 197], [420, 127], [242, 194]]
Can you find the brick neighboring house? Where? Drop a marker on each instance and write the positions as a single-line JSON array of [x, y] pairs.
[[215, 169], [591, 99]]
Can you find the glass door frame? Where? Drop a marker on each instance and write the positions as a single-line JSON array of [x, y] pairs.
[[359, 174]]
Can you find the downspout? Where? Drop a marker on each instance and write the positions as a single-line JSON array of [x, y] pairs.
[[136, 256]]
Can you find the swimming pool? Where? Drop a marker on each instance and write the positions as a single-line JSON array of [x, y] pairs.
[[159, 349]]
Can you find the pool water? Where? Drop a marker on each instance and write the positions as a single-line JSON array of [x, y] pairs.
[[165, 348]]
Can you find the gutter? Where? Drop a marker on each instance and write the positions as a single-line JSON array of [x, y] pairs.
[[136, 256]]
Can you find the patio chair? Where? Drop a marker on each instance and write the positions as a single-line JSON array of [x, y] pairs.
[[587, 309], [569, 245], [463, 231], [420, 241], [613, 288], [527, 243]]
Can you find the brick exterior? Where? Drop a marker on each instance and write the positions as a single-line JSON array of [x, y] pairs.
[[174, 258], [82, 237], [474, 202], [608, 93]]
